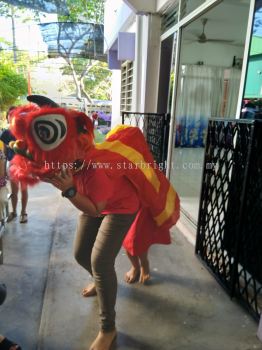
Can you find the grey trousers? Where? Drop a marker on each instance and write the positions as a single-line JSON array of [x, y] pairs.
[[97, 243]]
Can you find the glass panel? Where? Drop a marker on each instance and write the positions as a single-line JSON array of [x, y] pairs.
[[208, 85], [188, 6], [252, 101]]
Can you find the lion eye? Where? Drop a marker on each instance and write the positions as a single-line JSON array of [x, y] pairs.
[[49, 131]]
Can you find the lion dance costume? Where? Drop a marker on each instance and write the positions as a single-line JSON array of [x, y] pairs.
[[49, 134]]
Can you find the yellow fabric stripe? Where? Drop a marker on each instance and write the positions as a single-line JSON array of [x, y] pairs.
[[116, 129], [134, 157], [169, 208]]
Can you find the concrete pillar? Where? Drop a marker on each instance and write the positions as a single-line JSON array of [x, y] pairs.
[[146, 65], [116, 94], [153, 63]]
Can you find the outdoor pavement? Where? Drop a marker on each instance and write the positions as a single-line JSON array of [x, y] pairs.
[[183, 308]]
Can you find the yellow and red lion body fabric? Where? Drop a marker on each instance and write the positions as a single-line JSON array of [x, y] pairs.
[[49, 138]]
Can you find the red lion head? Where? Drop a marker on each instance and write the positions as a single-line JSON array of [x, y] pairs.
[[47, 136]]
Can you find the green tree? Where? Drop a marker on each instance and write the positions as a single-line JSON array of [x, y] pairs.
[[83, 10], [12, 85], [96, 82], [90, 77], [18, 71], [14, 12]]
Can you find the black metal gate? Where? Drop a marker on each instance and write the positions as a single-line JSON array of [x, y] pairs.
[[229, 235], [155, 127]]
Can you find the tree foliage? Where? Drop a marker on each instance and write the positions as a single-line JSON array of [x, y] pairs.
[[91, 78], [12, 85], [83, 10], [97, 80], [26, 14]]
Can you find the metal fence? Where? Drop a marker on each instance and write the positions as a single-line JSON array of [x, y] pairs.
[[155, 127], [229, 234]]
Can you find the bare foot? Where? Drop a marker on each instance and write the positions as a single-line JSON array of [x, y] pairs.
[[103, 341], [144, 277], [89, 291], [132, 275], [144, 271]]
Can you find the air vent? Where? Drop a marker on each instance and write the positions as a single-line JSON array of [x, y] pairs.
[[126, 86], [169, 18]]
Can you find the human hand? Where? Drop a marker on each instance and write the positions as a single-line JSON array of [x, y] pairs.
[[62, 180]]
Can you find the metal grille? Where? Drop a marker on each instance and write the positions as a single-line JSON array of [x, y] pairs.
[[155, 127], [229, 236], [249, 269]]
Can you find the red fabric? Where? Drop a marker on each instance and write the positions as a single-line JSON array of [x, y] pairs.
[[121, 166], [122, 199], [120, 194], [143, 233]]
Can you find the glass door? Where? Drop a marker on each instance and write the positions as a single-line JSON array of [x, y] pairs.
[[211, 52]]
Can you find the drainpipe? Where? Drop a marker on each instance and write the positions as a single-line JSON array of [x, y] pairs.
[[137, 77]]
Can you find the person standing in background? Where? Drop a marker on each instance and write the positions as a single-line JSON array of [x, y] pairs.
[[3, 187], [7, 137]]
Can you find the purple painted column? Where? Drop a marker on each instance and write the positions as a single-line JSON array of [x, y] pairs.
[[126, 46]]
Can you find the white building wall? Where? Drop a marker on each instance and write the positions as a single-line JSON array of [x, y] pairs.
[[210, 54], [150, 6], [139, 6], [118, 18]]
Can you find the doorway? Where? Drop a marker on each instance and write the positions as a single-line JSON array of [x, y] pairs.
[[211, 53]]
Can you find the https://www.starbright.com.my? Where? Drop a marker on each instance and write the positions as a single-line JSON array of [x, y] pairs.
[[124, 165]]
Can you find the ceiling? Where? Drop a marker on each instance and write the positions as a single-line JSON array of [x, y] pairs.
[[226, 21]]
